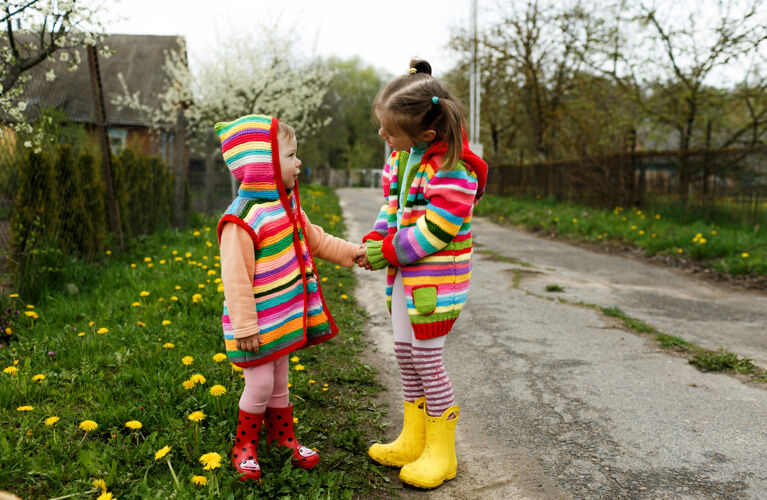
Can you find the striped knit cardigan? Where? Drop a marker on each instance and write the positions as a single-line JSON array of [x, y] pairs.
[[432, 247], [289, 303]]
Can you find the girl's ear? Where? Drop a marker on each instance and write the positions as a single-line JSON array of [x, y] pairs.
[[428, 136]]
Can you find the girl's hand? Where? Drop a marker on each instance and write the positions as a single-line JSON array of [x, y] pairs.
[[361, 257], [249, 344]]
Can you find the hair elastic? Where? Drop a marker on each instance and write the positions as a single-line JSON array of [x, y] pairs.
[[413, 71], [435, 99]]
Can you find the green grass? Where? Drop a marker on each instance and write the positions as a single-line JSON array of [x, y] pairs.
[[717, 239], [555, 288], [131, 372]]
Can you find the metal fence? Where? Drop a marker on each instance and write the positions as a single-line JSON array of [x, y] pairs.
[[729, 176]]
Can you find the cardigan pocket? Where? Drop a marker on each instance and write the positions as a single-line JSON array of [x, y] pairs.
[[425, 299]]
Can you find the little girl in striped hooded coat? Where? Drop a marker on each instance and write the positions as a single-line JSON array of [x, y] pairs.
[[423, 236], [273, 300]]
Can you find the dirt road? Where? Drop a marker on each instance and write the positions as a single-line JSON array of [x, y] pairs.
[[559, 403]]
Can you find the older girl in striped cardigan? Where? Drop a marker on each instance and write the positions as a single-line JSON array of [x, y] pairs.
[[423, 236]]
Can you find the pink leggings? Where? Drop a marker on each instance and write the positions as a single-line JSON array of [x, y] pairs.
[[265, 385]]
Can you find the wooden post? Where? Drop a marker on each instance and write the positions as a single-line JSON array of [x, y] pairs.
[[179, 169], [210, 172], [106, 152]]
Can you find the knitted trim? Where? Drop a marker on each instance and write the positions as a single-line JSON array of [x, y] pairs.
[[375, 255], [239, 222], [424, 331], [372, 235], [389, 252]]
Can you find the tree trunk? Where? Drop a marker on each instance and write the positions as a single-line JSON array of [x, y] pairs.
[[179, 169]]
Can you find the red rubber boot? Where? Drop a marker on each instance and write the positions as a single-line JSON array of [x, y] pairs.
[[245, 450], [279, 427]]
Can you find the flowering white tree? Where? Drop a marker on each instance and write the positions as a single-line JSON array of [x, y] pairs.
[[243, 75], [35, 30]]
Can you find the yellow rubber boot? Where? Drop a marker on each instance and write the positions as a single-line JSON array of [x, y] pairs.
[[410, 442], [437, 463]]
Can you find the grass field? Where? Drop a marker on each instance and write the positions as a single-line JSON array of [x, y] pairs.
[[715, 239], [117, 383]]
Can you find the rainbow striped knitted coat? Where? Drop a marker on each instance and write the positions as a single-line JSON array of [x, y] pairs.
[[289, 302], [433, 245]]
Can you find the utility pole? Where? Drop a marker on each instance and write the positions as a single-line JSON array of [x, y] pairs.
[[474, 86]]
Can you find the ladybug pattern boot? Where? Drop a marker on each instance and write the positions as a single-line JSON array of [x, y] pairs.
[[245, 450], [279, 427]]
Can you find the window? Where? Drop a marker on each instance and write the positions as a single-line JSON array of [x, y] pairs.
[[118, 139], [166, 147]]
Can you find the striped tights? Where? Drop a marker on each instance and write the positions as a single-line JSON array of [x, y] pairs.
[[420, 361]]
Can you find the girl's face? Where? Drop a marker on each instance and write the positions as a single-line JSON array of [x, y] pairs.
[[395, 138], [399, 140], [289, 162]]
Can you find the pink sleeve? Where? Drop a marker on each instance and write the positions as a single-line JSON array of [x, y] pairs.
[[238, 264], [328, 247]]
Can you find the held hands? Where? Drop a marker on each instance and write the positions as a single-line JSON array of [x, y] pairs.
[[249, 344], [361, 257]]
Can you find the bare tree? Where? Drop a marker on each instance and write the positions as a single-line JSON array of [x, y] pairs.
[[670, 63]]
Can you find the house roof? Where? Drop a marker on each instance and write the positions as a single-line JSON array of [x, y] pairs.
[[140, 59]]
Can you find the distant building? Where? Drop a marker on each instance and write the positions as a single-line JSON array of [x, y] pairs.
[[140, 60]]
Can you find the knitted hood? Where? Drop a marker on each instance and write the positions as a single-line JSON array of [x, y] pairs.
[[472, 161], [249, 147]]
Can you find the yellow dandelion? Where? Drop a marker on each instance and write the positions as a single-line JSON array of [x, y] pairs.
[[220, 288], [174, 298], [51, 420], [187, 360], [196, 233], [196, 416], [11, 370], [161, 452], [344, 296], [744, 255], [25, 408], [133, 425], [8, 331], [633, 228], [295, 420], [575, 221], [178, 259], [340, 284], [201, 285], [199, 480], [31, 314], [217, 390], [713, 233], [162, 262], [30, 306], [324, 388], [165, 322], [679, 250], [312, 381], [211, 272], [147, 259], [299, 368], [168, 345], [133, 266], [641, 232], [141, 323], [144, 293], [174, 252], [109, 252], [161, 299], [338, 267], [102, 330], [39, 377], [136, 304], [219, 357], [210, 461], [197, 378], [106, 495], [91, 323], [196, 298], [188, 384], [13, 296], [657, 216], [295, 359], [188, 254], [88, 425], [236, 368]]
